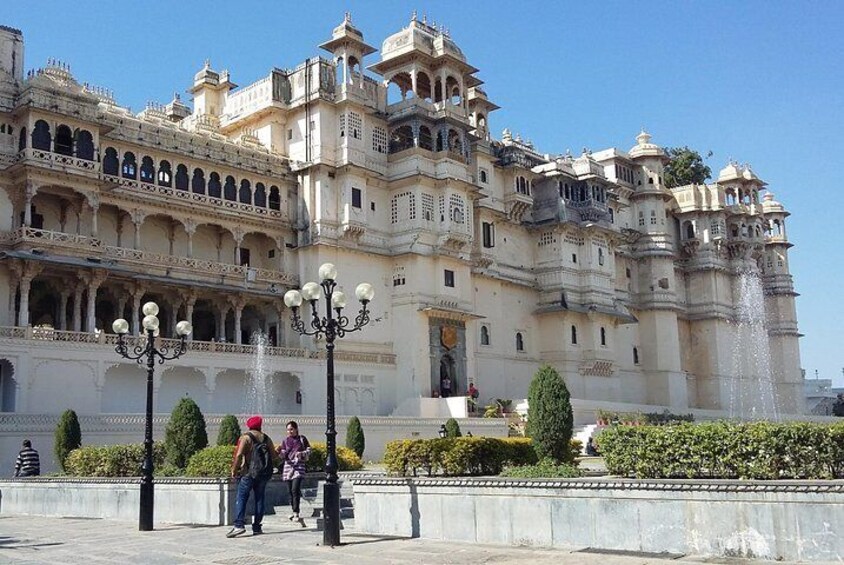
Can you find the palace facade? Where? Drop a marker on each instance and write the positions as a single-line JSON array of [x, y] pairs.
[[489, 257]]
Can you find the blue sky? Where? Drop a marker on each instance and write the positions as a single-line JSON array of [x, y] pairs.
[[761, 82]]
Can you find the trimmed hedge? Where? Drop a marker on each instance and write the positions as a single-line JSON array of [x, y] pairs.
[[213, 461], [459, 456], [347, 460], [725, 450], [111, 460]]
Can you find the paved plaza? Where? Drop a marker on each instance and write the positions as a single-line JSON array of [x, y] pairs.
[[30, 540]]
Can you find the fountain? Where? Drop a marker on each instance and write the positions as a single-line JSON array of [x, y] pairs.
[[752, 392], [258, 371]]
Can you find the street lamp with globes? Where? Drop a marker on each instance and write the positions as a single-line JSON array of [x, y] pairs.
[[147, 351], [333, 325]]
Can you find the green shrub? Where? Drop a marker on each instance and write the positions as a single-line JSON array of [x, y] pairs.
[[547, 468], [458, 456], [347, 460], [211, 462], [185, 434], [550, 418], [68, 437], [452, 428], [755, 450], [229, 431], [112, 460], [355, 439]]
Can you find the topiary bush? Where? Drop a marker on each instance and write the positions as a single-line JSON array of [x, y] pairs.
[[112, 460], [68, 437], [355, 440], [452, 428], [550, 418], [213, 461], [185, 433], [229, 431], [347, 460], [726, 450]]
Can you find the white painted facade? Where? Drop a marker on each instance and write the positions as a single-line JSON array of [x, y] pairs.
[[488, 258]]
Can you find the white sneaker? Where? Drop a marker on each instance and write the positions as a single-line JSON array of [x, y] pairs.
[[235, 531]]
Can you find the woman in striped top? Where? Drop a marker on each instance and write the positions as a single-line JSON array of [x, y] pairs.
[[294, 451], [27, 464]]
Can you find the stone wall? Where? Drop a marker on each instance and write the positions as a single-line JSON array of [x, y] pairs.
[[790, 520]]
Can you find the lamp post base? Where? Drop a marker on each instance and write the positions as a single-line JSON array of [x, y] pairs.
[[331, 510], [147, 502]]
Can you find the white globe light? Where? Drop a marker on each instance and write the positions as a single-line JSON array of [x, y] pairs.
[[364, 292], [310, 291], [150, 309], [184, 328], [150, 322], [120, 326], [338, 300], [293, 298], [327, 272]]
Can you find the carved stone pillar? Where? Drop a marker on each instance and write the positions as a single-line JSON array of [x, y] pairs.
[[29, 194], [94, 204], [119, 228], [137, 221], [23, 313], [77, 307], [190, 229], [238, 303], [222, 312], [92, 281], [238, 240], [189, 300], [62, 317], [121, 305], [413, 81]]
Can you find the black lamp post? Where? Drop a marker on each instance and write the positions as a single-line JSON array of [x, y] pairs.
[[149, 352], [443, 432], [333, 325]]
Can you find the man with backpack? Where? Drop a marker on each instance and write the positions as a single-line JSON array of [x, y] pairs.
[[254, 460]]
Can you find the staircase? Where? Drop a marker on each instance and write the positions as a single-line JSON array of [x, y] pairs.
[[312, 504]]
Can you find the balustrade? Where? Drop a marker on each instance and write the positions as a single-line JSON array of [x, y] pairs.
[[41, 157]]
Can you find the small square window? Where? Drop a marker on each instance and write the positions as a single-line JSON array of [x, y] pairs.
[[372, 206], [449, 278], [289, 134], [271, 254], [574, 257], [356, 198]]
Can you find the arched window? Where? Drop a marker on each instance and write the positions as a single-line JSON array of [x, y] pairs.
[[574, 335], [182, 177], [426, 140], [41, 136], [483, 176], [401, 139], [603, 336], [275, 198], [22, 140], [600, 256], [111, 165], [215, 189], [520, 342], [230, 189], [484, 335], [690, 230], [198, 182], [147, 169], [165, 175], [260, 195], [64, 140], [612, 216], [635, 355], [130, 167], [245, 194], [84, 145]]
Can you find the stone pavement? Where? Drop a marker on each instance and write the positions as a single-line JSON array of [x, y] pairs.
[[30, 540]]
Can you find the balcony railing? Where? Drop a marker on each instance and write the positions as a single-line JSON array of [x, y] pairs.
[[51, 159], [45, 334], [88, 244]]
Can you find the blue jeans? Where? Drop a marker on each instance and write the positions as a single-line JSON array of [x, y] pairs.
[[245, 485]]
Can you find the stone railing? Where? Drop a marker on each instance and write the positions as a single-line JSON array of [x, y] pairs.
[[46, 334], [193, 197], [50, 159], [84, 243]]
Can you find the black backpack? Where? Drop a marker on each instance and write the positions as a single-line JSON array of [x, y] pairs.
[[260, 460]]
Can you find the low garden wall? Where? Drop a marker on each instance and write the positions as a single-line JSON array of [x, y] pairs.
[[791, 520], [177, 500]]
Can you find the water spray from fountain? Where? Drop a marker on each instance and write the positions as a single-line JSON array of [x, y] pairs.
[[256, 384], [752, 392]]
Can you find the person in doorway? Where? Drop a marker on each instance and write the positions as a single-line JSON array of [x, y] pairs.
[[445, 387], [28, 464], [473, 394], [255, 459], [294, 451]]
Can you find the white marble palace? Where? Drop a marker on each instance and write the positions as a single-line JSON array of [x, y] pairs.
[[488, 257]]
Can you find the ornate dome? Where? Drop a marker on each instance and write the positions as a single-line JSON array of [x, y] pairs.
[[769, 205], [730, 172], [644, 147]]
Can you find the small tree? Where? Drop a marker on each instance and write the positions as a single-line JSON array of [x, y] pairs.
[[550, 418], [185, 434], [452, 428], [685, 167], [229, 431], [67, 438], [355, 439]]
